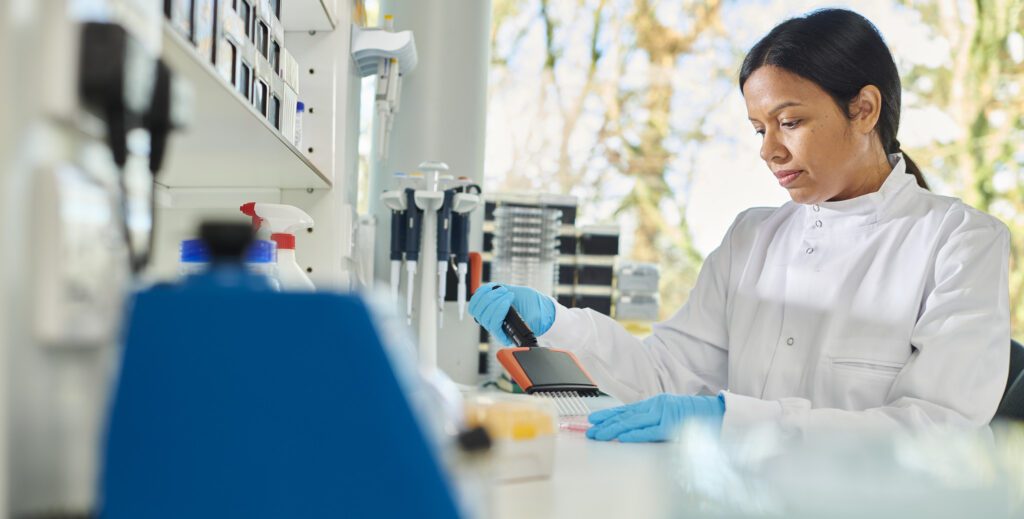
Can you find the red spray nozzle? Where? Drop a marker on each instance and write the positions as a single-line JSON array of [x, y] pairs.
[[249, 209]]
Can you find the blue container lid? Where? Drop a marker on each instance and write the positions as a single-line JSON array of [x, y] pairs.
[[194, 251], [300, 106], [261, 251]]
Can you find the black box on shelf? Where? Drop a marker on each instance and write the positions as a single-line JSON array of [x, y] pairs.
[[567, 273], [599, 240], [568, 213], [488, 242], [601, 275], [567, 244], [485, 274]]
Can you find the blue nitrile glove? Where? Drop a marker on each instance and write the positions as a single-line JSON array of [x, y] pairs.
[[489, 306], [655, 419]]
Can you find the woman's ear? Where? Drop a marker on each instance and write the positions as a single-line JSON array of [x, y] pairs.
[[865, 109]]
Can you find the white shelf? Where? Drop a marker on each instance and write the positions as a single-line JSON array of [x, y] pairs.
[[307, 15], [227, 143]]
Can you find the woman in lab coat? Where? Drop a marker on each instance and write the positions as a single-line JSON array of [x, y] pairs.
[[867, 301]]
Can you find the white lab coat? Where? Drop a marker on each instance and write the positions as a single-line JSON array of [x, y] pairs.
[[889, 310]]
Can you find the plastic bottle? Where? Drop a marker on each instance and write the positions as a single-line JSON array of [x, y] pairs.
[[194, 257], [261, 258], [283, 221]]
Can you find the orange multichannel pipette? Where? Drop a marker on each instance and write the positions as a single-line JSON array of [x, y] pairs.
[[545, 372]]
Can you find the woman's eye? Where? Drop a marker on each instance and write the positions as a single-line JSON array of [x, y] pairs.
[[759, 132], [790, 124]]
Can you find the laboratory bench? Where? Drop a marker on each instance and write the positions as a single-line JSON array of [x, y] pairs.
[[593, 479], [844, 474]]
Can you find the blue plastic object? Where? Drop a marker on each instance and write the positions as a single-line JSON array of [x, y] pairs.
[[220, 412], [655, 419], [261, 251], [490, 304], [195, 251]]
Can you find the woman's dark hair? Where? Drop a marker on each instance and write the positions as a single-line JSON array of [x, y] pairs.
[[841, 52]]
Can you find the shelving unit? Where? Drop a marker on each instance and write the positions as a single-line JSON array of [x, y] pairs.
[[228, 143]]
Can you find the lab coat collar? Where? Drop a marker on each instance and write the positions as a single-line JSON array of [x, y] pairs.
[[865, 209]]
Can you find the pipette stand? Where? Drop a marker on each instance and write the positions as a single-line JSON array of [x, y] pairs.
[[429, 199]]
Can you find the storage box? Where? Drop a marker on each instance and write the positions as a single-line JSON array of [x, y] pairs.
[[275, 112], [600, 240], [638, 278], [235, 53], [247, 12], [637, 307], [204, 28], [261, 87], [179, 12], [290, 70], [288, 102], [522, 430], [276, 45]]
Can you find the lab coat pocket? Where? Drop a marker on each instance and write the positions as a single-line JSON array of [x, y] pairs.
[[881, 368], [856, 383]]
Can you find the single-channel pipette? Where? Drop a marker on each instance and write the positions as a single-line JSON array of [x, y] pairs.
[[398, 224], [444, 249], [414, 219]]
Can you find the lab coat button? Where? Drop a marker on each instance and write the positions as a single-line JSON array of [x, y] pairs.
[[810, 250], [790, 341], [817, 224], [815, 208]]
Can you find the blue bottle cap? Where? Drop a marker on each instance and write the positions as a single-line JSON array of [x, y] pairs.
[[300, 107], [261, 251], [194, 251]]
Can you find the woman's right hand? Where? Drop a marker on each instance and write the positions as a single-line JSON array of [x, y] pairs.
[[490, 304]]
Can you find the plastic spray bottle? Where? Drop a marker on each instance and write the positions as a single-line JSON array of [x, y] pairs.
[[283, 221]]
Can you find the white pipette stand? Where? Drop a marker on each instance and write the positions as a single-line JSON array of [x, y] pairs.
[[429, 199]]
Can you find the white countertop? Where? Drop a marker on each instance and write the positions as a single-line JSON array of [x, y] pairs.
[[593, 479], [944, 475]]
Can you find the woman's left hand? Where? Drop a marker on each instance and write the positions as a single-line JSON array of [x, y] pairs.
[[656, 419]]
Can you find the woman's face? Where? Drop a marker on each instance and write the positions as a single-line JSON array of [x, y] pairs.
[[815, 151]]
